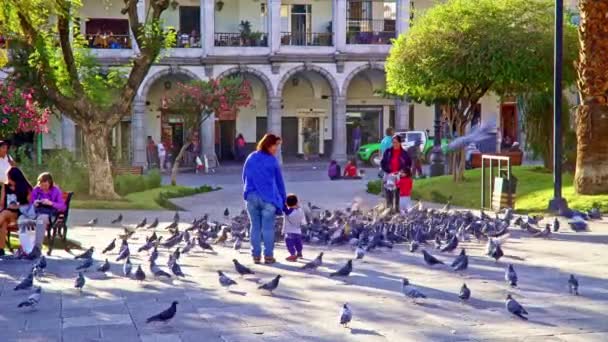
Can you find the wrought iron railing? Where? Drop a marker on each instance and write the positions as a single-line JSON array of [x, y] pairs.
[[306, 39], [370, 31], [109, 41], [240, 39]]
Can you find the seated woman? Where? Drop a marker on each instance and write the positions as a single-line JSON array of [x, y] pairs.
[[15, 194], [47, 198], [351, 171], [333, 171]]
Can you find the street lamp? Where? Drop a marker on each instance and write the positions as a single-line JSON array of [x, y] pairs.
[[557, 203], [437, 166]]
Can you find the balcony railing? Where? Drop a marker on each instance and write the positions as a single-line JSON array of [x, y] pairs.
[[370, 31], [109, 41], [239, 39], [306, 39]]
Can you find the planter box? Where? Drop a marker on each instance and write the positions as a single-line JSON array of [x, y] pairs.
[[123, 170]]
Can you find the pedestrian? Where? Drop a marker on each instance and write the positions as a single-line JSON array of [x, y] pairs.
[[264, 194], [6, 161], [414, 154], [350, 170], [333, 171], [394, 160], [14, 198], [385, 144], [239, 147], [162, 155], [356, 134], [292, 228], [405, 185], [151, 153]]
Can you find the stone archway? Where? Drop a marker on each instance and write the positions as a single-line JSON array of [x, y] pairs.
[[333, 84], [149, 82], [247, 70], [356, 71]]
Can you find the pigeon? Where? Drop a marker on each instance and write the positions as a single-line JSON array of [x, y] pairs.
[[318, 261], [461, 263], [595, 213], [544, 233], [429, 259], [414, 246], [173, 225], [80, 281], [142, 223], [237, 243], [153, 255], [224, 280], [515, 308], [173, 257], [105, 267], [85, 265], [450, 245], [40, 265], [157, 271], [92, 223], [241, 269], [437, 242], [465, 293], [555, 225], [124, 254], [88, 254], [222, 238], [26, 283], [411, 291], [110, 247], [204, 245], [177, 270], [189, 246], [123, 245], [271, 285], [154, 224], [127, 267], [117, 220], [359, 253], [176, 217], [459, 258], [573, 285], [32, 300], [146, 246], [166, 315], [346, 315], [226, 213], [578, 224], [511, 276], [344, 271], [140, 274]]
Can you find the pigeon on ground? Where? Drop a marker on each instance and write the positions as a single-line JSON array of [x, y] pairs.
[[110, 247], [346, 315], [223, 236], [578, 224], [344, 271], [271, 285], [32, 300], [157, 271], [544, 233], [226, 213], [105, 267], [511, 276], [451, 245], [461, 263], [459, 258], [124, 254], [465, 293], [595, 213], [437, 242], [85, 265], [153, 255], [173, 225], [189, 245], [154, 224], [117, 220], [241, 269], [166, 315], [127, 267], [573, 285], [225, 281], [146, 246], [140, 274], [173, 257], [92, 223], [204, 245], [429, 259], [176, 217], [411, 291], [177, 270], [555, 225], [515, 308], [88, 254], [359, 253], [80, 281], [26, 283], [40, 265], [316, 262], [414, 246], [142, 223], [237, 243]]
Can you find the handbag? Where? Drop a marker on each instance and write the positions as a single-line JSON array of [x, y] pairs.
[[27, 235], [46, 210]]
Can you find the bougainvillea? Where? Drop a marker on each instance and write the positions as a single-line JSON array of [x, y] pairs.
[[19, 112]]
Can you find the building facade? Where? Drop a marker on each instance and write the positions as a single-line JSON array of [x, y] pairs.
[[315, 67]]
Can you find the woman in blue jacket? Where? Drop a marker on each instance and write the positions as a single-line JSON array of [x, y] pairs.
[[264, 194]]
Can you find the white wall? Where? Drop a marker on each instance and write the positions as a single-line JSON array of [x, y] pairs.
[[229, 18], [171, 16], [97, 9], [246, 117]]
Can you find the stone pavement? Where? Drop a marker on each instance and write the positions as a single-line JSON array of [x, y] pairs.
[[306, 305]]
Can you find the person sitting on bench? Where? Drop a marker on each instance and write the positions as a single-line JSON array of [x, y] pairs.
[[15, 194]]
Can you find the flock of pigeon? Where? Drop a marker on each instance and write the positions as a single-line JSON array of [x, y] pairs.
[[420, 228]]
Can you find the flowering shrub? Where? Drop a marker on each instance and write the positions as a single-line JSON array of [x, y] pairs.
[[19, 112]]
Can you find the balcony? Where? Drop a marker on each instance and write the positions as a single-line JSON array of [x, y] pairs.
[[370, 32], [241, 28], [108, 41], [248, 39], [306, 39]]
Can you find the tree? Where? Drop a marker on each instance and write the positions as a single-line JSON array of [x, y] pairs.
[[19, 112], [458, 51], [66, 74], [591, 119], [199, 99]]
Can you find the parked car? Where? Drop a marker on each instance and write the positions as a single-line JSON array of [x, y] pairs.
[[370, 153]]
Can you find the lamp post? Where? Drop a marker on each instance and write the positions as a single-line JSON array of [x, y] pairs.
[[437, 166], [557, 203]]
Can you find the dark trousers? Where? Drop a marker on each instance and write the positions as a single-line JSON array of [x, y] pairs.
[[416, 168], [392, 199], [294, 243]]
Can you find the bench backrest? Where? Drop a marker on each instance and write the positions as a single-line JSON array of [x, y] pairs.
[[67, 198]]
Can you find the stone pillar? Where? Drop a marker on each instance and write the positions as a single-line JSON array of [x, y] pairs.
[[274, 28], [339, 24], [339, 129], [207, 26], [141, 15], [208, 140], [402, 121], [274, 120], [403, 16], [68, 134], [138, 132]]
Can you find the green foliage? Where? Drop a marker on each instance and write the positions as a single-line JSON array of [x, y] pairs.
[[163, 197], [128, 183], [153, 179]]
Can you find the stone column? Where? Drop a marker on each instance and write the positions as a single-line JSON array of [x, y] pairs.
[[68, 134], [402, 121], [403, 16], [138, 132], [339, 24], [208, 140], [141, 15], [207, 26], [339, 129], [274, 28], [274, 120]]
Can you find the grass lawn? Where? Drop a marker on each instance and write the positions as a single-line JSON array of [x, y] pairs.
[[153, 199], [534, 190]]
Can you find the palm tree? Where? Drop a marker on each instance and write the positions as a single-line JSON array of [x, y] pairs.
[[592, 114]]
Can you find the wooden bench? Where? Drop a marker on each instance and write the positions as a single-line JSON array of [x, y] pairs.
[[58, 225], [126, 170], [516, 158]]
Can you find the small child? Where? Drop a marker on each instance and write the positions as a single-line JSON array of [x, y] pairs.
[[294, 216], [405, 184], [350, 169]]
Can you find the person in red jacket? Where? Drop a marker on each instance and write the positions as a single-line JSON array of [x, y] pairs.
[[350, 169], [405, 185]]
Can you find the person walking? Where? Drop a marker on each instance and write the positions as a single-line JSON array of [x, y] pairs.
[[239, 147], [414, 154], [151, 153], [292, 228], [264, 195], [356, 138], [162, 154], [6, 162], [394, 160]]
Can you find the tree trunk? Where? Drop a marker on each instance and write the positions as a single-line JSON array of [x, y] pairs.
[[458, 156], [178, 159], [592, 115], [101, 184]]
